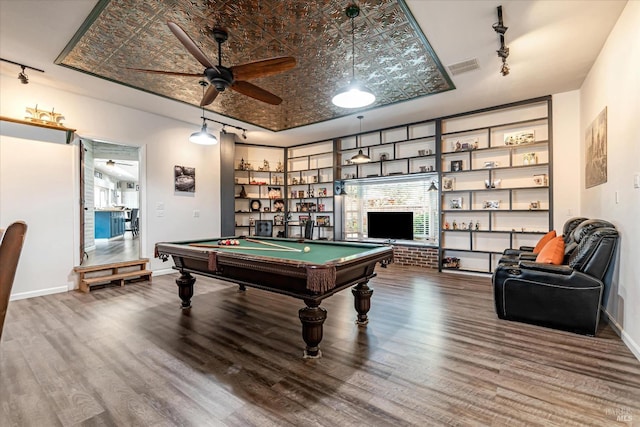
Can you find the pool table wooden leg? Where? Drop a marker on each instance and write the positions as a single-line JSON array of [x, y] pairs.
[[312, 317], [185, 288], [362, 302]]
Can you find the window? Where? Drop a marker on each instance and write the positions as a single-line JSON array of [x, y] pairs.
[[392, 194]]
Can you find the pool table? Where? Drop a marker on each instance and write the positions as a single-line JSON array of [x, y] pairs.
[[283, 266]]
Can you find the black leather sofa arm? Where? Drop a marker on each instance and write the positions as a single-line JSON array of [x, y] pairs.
[[547, 268]]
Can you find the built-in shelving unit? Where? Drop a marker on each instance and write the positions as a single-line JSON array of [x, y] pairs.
[[310, 178], [496, 174], [259, 177], [492, 169]]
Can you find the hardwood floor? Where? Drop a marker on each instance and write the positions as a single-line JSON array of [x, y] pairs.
[[107, 251], [434, 353]]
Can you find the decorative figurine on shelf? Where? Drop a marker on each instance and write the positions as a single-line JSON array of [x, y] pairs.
[[294, 180], [477, 225], [241, 166], [310, 193], [463, 226], [446, 225], [280, 167], [455, 225], [265, 165], [252, 222], [243, 193], [470, 227]]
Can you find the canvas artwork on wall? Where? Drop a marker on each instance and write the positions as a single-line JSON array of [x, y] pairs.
[[185, 179], [595, 140]]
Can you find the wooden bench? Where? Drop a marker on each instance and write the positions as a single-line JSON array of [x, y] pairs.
[[95, 274]]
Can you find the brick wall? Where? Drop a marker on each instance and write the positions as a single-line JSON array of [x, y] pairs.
[[415, 255]]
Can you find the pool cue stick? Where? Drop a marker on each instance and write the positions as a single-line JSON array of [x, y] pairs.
[[273, 244], [204, 245]]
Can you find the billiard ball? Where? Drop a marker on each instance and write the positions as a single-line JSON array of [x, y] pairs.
[[307, 249]]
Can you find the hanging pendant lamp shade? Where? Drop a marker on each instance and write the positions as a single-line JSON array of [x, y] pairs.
[[203, 137], [354, 95], [360, 157]]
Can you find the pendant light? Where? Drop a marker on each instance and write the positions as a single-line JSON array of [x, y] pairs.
[[355, 95], [360, 157], [203, 137]]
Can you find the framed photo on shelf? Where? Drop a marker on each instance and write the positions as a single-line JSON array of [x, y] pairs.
[[491, 204], [455, 203], [447, 183], [520, 137], [534, 205], [456, 165], [323, 220], [541, 180]]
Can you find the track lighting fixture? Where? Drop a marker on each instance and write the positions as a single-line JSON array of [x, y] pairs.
[[244, 133], [224, 129], [355, 95], [225, 125], [22, 75], [503, 52], [360, 157], [203, 137]]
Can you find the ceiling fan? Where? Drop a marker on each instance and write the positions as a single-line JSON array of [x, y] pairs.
[[233, 77], [111, 163]]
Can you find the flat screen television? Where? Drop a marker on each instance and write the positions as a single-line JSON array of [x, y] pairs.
[[390, 225]]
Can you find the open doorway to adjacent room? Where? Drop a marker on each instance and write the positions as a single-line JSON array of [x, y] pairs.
[[110, 185]]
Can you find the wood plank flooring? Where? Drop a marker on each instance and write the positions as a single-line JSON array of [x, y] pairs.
[[118, 249], [434, 353]]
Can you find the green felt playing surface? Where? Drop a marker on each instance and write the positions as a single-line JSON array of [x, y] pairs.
[[320, 252]]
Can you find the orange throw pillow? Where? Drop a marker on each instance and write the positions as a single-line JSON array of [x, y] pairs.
[[553, 252], [542, 242]]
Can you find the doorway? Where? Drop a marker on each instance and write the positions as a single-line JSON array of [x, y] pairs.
[[110, 185]]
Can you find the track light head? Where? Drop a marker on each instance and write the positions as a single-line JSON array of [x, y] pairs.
[[500, 28], [22, 76], [503, 52], [244, 133]]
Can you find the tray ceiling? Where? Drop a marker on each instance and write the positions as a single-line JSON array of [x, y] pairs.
[[393, 57]]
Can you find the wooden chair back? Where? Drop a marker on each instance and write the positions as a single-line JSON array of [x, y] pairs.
[[10, 249]]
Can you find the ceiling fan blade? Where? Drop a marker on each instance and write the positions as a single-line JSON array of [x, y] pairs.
[[171, 73], [254, 91], [266, 67], [191, 46], [209, 96]]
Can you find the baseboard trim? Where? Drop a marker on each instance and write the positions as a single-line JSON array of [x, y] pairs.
[[38, 293], [626, 338]]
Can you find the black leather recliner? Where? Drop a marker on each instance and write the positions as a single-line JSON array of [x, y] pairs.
[[565, 297]]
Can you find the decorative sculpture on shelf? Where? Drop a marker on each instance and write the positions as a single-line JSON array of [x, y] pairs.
[[243, 193], [44, 117]]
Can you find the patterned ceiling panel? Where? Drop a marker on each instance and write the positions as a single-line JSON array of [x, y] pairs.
[[393, 57]]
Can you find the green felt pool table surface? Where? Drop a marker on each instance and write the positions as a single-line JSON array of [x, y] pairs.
[[320, 252]]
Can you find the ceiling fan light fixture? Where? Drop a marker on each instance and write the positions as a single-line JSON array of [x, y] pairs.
[[203, 137], [354, 95]]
